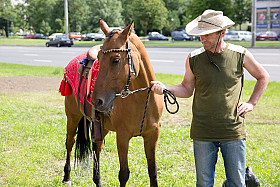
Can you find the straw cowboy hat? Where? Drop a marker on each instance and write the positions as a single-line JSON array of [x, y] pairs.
[[209, 22]]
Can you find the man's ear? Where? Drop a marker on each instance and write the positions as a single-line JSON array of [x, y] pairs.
[[223, 32]]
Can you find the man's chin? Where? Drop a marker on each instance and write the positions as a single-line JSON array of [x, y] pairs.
[[206, 47]]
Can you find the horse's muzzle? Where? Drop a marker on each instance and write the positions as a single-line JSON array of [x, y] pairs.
[[102, 106]]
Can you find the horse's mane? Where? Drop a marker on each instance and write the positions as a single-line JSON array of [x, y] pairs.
[[110, 34]]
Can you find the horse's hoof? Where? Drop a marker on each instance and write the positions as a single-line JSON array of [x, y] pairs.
[[67, 183]]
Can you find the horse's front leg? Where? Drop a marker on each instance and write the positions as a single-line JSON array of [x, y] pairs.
[[122, 145], [150, 144], [97, 147]]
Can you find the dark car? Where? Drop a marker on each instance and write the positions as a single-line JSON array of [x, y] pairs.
[[268, 35], [29, 36], [157, 36], [40, 36], [60, 41], [180, 35], [197, 38]]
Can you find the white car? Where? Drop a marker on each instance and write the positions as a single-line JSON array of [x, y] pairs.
[[54, 35], [100, 36], [227, 35], [240, 36]]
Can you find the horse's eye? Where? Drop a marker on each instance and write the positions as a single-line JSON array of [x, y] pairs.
[[115, 60]]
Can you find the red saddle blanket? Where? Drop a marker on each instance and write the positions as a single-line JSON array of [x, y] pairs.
[[72, 78]]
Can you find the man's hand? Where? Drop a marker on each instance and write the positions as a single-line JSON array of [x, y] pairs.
[[158, 87], [244, 107]]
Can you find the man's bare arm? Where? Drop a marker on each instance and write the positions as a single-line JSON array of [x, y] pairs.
[[262, 77]]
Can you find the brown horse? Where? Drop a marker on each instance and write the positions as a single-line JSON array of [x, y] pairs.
[[124, 65]]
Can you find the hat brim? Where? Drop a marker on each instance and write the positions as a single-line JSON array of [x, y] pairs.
[[192, 27]]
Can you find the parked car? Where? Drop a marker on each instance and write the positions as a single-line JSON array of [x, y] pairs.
[[83, 37], [60, 41], [278, 36], [157, 36], [197, 38], [89, 37], [180, 35], [240, 36], [153, 33], [100, 36], [268, 35], [29, 36], [228, 35], [40, 36], [54, 35], [75, 36]]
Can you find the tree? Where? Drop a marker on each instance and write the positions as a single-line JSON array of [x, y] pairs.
[[242, 11], [57, 17], [37, 12], [5, 7], [196, 8], [175, 23], [127, 11], [77, 14], [176, 10], [45, 28], [20, 20], [108, 10], [149, 15]]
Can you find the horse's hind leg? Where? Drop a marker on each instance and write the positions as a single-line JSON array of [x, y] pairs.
[[97, 147], [150, 144], [73, 118]]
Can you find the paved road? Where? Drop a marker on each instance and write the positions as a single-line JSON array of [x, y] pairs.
[[164, 60]]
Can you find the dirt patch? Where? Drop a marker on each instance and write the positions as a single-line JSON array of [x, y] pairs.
[[28, 84]]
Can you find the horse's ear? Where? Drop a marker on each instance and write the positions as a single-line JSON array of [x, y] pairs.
[[104, 27], [127, 31]]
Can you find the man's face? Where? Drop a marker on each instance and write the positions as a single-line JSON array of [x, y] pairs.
[[209, 41]]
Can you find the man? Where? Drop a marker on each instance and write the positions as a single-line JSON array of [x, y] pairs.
[[215, 74]]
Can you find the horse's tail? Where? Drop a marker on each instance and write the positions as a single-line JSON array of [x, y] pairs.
[[83, 142]]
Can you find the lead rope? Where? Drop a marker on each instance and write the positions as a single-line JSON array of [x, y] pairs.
[[166, 94], [214, 54]]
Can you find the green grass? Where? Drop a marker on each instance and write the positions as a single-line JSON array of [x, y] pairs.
[[19, 41], [42, 42], [7, 69], [33, 132]]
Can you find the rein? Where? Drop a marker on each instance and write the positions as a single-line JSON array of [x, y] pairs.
[[168, 95]]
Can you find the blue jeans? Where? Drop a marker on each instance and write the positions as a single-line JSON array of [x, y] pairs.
[[234, 156]]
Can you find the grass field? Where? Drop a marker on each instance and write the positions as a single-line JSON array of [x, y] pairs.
[[33, 132], [42, 42]]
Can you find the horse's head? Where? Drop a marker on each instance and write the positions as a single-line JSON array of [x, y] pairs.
[[114, 70]]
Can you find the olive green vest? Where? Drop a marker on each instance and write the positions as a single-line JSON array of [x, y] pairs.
[[217, 94]]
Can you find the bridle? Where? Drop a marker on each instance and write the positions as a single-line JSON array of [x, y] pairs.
[[126, 92]]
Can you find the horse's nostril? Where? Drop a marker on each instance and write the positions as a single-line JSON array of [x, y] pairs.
[[99, 103]]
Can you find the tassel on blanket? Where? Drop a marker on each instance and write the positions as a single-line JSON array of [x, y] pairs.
[[65, 88]]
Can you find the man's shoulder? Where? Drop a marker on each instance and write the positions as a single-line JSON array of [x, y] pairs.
[[236, 48], [197, 52]]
